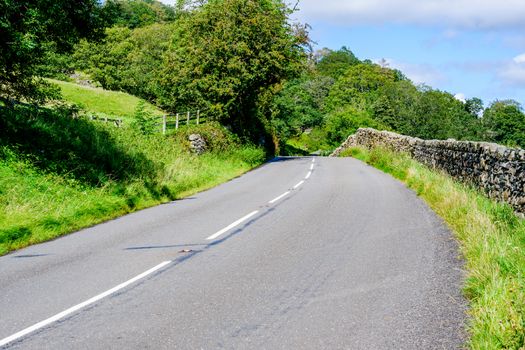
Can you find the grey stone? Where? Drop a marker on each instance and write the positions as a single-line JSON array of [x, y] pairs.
[[197, 144]]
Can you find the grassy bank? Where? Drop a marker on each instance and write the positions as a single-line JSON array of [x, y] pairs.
[[59, 174], [492, 241], [103, 102]]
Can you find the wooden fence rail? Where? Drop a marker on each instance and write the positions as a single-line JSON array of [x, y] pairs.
[[167, 121], [174, 121], [116, 122]]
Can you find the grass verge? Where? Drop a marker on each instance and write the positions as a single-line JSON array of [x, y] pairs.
[[59, 174], [492, 241]]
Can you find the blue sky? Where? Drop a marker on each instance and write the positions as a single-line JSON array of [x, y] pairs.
[[471, 47], [475, 48]]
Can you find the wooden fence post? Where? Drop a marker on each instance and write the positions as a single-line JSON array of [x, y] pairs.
[[164, 124], [198, 115], [188, 118], [177, 122]]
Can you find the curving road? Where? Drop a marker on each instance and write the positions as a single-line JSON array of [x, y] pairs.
[[301, 253]]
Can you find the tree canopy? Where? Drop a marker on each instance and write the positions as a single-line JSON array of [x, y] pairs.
[[31, 28], [227, 54]]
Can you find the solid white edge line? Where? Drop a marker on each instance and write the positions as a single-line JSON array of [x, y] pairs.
[[308, 175], [312, 167], [77, 307], [313, 160], [229, 227], [299, 184], [280, 197]]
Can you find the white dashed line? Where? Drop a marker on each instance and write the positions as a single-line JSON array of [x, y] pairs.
[[279, 198], [77, 307], [229, 227], [308, 175], [299, 184]]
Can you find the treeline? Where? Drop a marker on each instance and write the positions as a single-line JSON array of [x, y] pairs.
[[340, 93], [244, 62]]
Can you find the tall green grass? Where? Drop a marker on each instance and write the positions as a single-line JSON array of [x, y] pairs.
[[492, 241], [59, 174]]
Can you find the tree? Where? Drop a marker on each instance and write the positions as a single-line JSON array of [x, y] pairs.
[[138, 13], [335, 63], [505, 123], [358, 86], [300, 105], [474, 106], [127, 59], [30, 28], [226, 55]]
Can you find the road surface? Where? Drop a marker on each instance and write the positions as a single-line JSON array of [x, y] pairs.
[[301, 253]]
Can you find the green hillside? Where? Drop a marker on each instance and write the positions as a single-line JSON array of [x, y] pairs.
[[103, 102], [59, 174]]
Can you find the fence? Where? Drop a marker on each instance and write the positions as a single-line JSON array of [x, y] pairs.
[[168, 121], [116, 122], [174, 121]]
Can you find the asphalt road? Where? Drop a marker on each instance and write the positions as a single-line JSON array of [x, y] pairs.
[[347, 259]]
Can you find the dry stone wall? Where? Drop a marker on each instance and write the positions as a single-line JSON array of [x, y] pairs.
[[498, 170]]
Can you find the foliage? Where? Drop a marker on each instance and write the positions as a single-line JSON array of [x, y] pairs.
[[505, 123], [137, 13], [29, 29], [144, 121], [358, 86], [333, 64], [128, 60], [225, 55], [300, 105], [341, 124], [492, 241]]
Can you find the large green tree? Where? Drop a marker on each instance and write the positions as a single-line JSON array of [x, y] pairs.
[[30, 28], [505, 123], [227, 56]]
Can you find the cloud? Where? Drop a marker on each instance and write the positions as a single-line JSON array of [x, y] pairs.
[[460, 97], [418, 73], [463, 14], [513, 72]]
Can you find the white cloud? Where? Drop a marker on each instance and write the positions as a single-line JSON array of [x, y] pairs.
[[418, 73], [519, 59], [460, 97], [470, 14], [513, 72]]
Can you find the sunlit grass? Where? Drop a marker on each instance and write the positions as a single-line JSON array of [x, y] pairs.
[[113, 104]]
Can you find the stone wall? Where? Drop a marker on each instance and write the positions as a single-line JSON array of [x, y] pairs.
[[498, 170]]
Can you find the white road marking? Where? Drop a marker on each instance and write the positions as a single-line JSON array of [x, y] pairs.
[[313, 160], [77, 307], [280, 197], [229, 227], [308, 175], [299, 184], [312, 166]]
